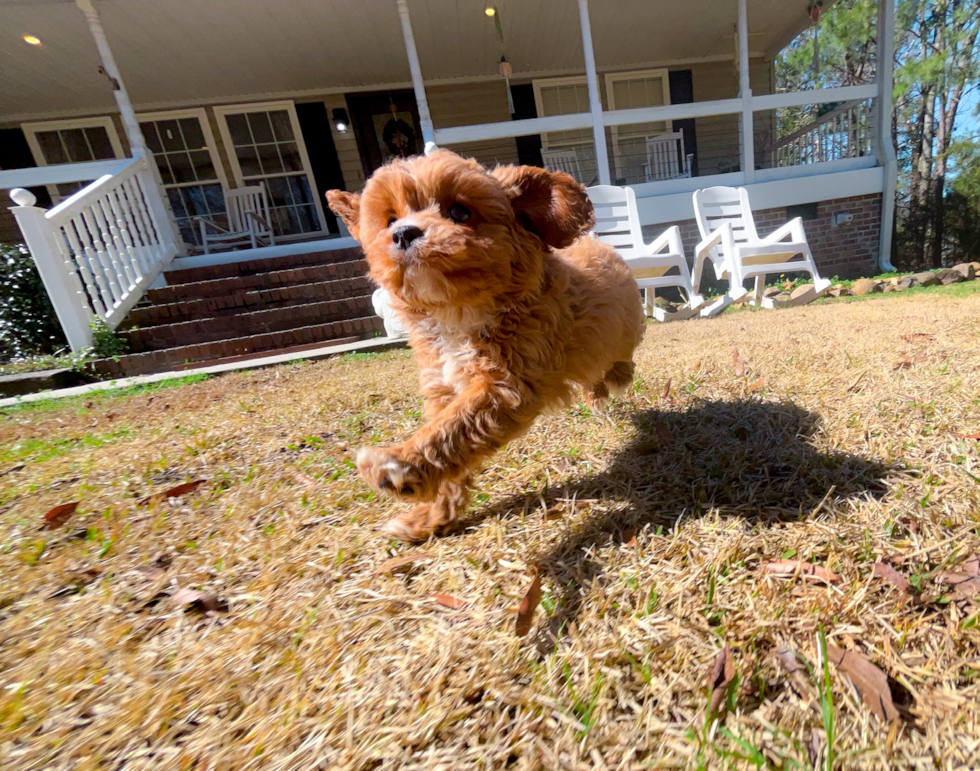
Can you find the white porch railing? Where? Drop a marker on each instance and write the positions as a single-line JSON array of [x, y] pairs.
[[99, 250], [845, 132]]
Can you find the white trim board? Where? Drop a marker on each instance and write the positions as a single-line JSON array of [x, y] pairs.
[[374, 344], [678, 207]]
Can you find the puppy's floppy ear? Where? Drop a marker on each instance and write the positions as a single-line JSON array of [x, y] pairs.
[[550, 204], [347, 206]]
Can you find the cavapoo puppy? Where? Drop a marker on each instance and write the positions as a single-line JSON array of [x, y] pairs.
[[509, 306]]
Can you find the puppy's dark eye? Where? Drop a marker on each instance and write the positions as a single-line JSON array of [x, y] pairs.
[[391, 221], [458, 213]]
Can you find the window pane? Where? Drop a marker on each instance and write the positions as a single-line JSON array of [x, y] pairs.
[[249, 161], [165, 174], [78, 150], [290, 157], [98, 139], [152, 137], [269, 157], [193, 136], [170, 136], [176, 203], [202, 165], [261, 128], [195, 201], [180, 163], [51, 147], [281, 125], [215, 198], [238, 129], [279, 191], [300, 187]]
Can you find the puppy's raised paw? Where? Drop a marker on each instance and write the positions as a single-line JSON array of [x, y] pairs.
[[384, 470]]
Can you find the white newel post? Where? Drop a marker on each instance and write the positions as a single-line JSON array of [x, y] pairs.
[[595, 101], [747, 129], [428, 132], [60, 280]]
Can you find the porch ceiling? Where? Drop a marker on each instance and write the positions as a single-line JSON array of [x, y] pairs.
[[175, 52]]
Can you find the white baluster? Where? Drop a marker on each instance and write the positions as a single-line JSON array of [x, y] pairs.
[[114, 247], [142, 222], [122, 227], [82, 261], [137, 250], [98, 249]]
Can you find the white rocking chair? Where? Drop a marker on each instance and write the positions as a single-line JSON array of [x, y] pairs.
[[565, 159], [618, 224], [248, 222], [730, 241], [666, 158]]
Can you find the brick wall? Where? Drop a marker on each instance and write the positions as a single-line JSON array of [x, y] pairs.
[[848, 251]]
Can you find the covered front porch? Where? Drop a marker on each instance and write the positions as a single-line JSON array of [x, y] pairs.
[[664, 99]]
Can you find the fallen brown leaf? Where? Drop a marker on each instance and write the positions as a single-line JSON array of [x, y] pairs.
[[738, 364], [57, 516], [760, 383], [173, 492], [905, 362], [809, 571], [391, 565], [967, 436], [194, 599], [870, 681], [962, 586], [721, 675], [972, 565], [886, 571], [110, 416], [629, 537], [664, 434], [911, 338], [525, 613], [448, 601], [666, 392]]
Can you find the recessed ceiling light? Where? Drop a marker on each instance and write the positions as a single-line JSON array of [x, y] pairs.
[[31, 40], [490, 10]]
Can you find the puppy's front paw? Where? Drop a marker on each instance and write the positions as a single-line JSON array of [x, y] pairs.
[[385, 470]]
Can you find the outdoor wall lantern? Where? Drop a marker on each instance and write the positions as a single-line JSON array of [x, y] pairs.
[[341, 121]]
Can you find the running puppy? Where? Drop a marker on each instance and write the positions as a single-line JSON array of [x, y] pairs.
[[509, 307]]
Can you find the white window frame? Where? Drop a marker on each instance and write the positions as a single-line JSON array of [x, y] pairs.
[[538, 84], [612, 78], [31, 131], [222, 112]]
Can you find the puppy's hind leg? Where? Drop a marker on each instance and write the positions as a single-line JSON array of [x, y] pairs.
[[436, 518], [619, 377], [596, 395]]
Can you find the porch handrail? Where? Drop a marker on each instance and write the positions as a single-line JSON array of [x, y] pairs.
[[100, 249], [59, 174], [844, 132], [826, 118]]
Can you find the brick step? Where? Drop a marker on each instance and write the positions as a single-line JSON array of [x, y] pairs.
[[252, 299], [173, 358], [208, 330], [248, 267], [221, 287], [191, 366]]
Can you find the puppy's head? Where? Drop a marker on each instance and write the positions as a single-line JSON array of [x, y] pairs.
[[440, 231]]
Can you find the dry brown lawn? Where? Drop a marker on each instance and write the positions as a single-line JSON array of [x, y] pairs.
[[830, 438]]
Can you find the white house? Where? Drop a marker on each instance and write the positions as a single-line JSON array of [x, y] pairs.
[[128, 119]]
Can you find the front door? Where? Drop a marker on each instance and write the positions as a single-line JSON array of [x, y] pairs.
[[386, 124]]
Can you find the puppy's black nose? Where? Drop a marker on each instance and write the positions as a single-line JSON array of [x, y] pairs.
[[404, 236]]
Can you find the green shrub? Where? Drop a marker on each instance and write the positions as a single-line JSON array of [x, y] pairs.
[[28, 324], [105, 343]]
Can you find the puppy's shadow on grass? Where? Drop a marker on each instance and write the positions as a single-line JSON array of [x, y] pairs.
[[755, 460]]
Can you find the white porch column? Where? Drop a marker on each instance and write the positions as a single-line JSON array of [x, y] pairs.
[[137, 143], [746, 128], [61, 282], [883, 110], [595, 102], [428, 133]]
